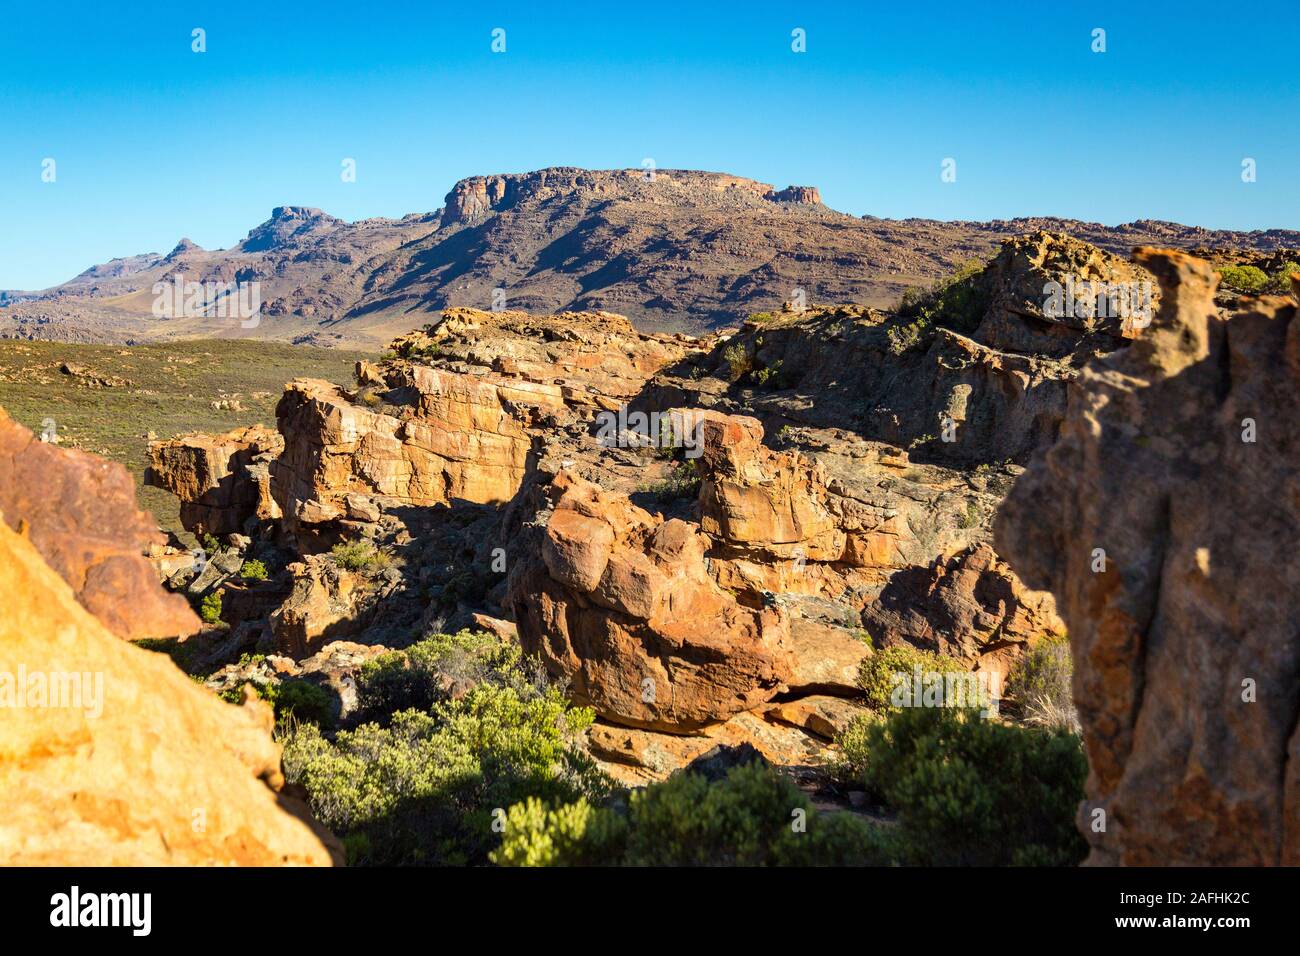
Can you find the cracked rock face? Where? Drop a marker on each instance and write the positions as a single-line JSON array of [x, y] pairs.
[[1165, 521]]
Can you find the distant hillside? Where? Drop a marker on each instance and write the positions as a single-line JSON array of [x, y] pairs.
[[685, 250]]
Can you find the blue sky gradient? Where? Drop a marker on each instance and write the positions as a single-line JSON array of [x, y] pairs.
[[153, 141]]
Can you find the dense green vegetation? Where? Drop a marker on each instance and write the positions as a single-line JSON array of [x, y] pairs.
[[887, 677], [1040, 685], [464, 754], [752, 817], [431, 784], [973, 791]]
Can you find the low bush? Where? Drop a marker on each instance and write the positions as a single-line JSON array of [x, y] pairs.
[[889, 679], [254, 570], [1243, 278], [210, 607], [740, 361], [970, 791], [302, 701], [752, 817], [682, 482], [429, 788], [424, 674], [360, 556], [1040, 684]]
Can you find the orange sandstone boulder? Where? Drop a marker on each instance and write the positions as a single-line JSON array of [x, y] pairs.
[[110, 756]]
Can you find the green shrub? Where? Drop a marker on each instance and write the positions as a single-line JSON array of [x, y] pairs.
[[299, 699], [210, 607], [302, 700], [956, 302], [423, 674], [360, 556], [1243, 278], [977, 792], [753, 817], [739, 360], [849, 763], [769, 375], [889, 680], [682, 482], [1040, 684], [253, 571], [428, 788], [1281, 281]]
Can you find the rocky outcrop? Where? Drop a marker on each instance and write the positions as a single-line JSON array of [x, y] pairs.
[[419, 434], [970, 606], [982, 383], [1053, 295], [79, 511], [327, 603], [222, 481], [803, 195], [760, 501], [110, 756], [1165, 521], [447, 437], [620, 603]]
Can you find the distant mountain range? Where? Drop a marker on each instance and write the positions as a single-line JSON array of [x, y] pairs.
[[683, 250]]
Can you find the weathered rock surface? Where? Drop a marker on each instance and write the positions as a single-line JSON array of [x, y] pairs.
[[1178, 466], [1095, 298], [620, 603], [80, 513], [327, 603], [970, 606], [416, 434], [988, 387], [221, 480], [138, 766]]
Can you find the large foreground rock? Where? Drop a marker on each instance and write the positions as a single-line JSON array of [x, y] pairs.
[[149, 770], [1179, 465], [80, 513]]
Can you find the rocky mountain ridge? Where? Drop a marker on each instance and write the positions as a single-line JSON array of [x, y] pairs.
[[674, 250]]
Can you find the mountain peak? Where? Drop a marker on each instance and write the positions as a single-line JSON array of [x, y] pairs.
[[288, 226]]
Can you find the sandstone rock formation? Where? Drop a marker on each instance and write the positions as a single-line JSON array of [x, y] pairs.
[[111, 756], [621, 604], [1165, 520], [678, 572], [416, 434], [970, 606], [221, 480], [1053, 295], [982, 385], [80, 513]]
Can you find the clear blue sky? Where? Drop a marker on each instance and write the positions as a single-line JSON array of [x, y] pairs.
[[153, 141]]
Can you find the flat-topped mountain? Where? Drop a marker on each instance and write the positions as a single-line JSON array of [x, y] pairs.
[[671, 249]]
